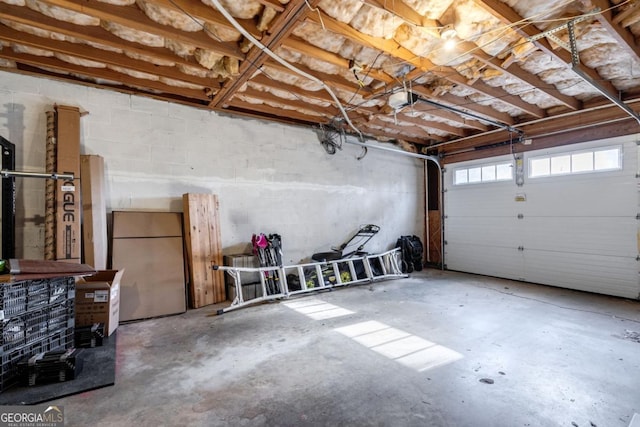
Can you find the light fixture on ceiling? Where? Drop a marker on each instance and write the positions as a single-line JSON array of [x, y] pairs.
[[401, 99], [448, 33]]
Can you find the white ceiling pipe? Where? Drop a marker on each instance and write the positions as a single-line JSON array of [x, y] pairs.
[[393, 150]]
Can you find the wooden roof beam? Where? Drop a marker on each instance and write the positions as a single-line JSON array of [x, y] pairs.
[[129, 82], [298, 105], [628, 16], [329, 79], [404, 116], [393, 48], [106, 57], [264, 80], [515, 71], [134, 18], [623, 36], [280, 29], [594, 114], [273, 4], [273, 112], [401, 10], [370, 111], [508, 16], [26, 16], [625, 126], [409, 130], [201, 11], [296, 44], [381, 133]]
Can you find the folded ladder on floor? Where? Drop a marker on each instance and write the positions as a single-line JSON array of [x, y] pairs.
[[311, 277]]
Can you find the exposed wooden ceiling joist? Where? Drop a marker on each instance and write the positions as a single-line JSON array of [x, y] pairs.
[[282, 27], [510, 17], [423, 64], [333, 81], [623, 126], [302, 47], [471, 96], [269, 111], [134, 18], [91, 34], [414, 131], [622, 35], [401, 10], [327, 111], [198, 10], [103, 74], [88, 53], [517, 72], [593, 115]]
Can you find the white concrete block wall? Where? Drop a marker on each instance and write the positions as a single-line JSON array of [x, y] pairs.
[[269, 177]]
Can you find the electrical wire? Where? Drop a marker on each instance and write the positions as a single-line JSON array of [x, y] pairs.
[[286, 64], [315, 9], [520, 24], [196, 20], [502, 30], [260, 68]]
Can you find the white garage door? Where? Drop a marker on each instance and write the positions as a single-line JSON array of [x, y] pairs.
[[573, 223]]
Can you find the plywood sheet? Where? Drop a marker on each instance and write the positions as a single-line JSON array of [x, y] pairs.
[[435, 241], [153, 283], [204, 248], [153, 279], [146, 224]]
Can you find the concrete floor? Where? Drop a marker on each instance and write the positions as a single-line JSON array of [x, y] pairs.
[[437, 349]]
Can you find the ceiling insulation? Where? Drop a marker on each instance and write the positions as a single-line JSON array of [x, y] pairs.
[[485, 65], [133, 35], [61, 13], [165, 16]]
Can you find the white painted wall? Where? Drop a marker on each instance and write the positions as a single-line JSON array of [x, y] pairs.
[[269, 177]]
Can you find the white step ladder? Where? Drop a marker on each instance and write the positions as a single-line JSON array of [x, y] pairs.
[[281, 282]]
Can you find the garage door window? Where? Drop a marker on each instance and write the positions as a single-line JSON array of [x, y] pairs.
[[598, 160], [485, 173]]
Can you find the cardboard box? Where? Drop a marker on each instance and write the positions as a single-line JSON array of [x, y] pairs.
[[249, 291], [251, 286], [94, 211], [68, 206], [98, 300], [244, 261]]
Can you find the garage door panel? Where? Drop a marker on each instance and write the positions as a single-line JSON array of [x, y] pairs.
[[604, 236], [593, 273], [483, 231], [487, 260], [577, 231], [601, 194], [478, 200]]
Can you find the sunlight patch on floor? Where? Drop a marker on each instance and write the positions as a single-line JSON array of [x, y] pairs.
[[317, 309], [403, 347]]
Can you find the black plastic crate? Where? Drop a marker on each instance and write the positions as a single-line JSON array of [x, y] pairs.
[[36, 325], [20, 297], [49, 367], [62, 339], [89, 336]]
